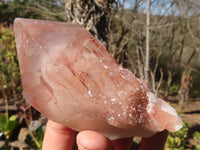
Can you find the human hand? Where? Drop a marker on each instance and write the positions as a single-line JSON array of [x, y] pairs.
[[60, 137]]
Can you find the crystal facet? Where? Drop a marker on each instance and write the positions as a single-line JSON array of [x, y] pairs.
[[70, 77]]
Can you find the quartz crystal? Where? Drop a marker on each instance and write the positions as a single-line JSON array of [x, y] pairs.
[[70, 77]]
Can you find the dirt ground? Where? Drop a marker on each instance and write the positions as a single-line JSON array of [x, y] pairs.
[[191, 114], [191, 111]]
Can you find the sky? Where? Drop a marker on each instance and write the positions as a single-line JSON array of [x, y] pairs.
[[161, 7]]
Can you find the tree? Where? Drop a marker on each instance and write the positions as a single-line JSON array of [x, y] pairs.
[[92, 14], [147, 68]]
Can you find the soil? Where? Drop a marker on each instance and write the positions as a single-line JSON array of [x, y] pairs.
[[190, 114]]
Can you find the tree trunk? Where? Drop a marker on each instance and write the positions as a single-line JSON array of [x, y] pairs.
[[147, 68], [92, 14], [184, 88]]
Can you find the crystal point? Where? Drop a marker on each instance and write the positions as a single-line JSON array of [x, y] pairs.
[[70, 77]]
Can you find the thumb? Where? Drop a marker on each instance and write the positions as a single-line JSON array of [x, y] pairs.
[[91, 140]]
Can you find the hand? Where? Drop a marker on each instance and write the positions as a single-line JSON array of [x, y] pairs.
[[60, 137]]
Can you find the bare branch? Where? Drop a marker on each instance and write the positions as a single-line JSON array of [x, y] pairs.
[[159, 83]]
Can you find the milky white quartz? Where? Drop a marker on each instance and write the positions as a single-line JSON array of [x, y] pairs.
[[70, 77]]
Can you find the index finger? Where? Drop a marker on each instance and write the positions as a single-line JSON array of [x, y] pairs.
[[123, 144], [58, 137], [156, 142]]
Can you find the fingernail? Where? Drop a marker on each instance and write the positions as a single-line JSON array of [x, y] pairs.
[[80, 147]]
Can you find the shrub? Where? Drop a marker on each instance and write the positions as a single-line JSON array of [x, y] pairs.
[[174, 89], [177, 140], [10, 82]]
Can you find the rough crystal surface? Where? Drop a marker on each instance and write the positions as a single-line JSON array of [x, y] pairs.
[[70, 77]]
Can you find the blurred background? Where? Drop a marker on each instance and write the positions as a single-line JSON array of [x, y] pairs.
[[158, 40]]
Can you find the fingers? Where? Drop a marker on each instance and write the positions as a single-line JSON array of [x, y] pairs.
[[91, 140], [58, 137], [123, 144], [156, 142]]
